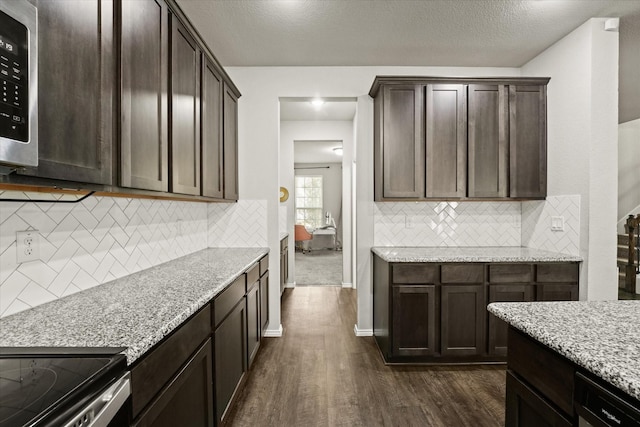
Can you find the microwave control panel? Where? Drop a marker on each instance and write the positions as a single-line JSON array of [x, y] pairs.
[[14, 79]]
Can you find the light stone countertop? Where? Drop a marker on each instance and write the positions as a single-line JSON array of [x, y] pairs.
[[601, 336], [283, 235], [470, 254], [134, 312]]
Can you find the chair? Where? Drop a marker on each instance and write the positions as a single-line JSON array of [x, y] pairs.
[[302, 237]]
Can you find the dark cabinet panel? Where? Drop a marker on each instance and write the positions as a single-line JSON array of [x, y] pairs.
[[557, 292], [254, 330], [212, 137], [230, 114], [497, 339], [528, 141], [230, 344], [415, 323], [446, 141], [402, 139], [463, 313], [188, 399], [185, 111], [488, 140], [76, 76], [526, 408], [284, 263], [144, 118], [264, 302]]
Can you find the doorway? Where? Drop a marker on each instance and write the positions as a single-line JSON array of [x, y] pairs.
[[316, 157]]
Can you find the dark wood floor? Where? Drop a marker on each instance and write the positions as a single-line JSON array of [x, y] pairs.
[[320, 374]]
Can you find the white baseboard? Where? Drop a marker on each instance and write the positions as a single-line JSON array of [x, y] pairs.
[[362, 332], [269, 333], [347, 285], [290, 285]]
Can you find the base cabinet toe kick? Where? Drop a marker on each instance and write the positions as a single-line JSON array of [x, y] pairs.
[[433, 313]]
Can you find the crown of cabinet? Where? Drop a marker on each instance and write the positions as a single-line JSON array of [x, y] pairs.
[[459, 138]]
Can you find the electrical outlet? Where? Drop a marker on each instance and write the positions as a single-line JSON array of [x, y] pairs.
[[27, 246]]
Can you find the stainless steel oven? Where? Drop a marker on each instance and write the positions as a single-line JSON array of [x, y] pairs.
[[18, 84], [598, 405]]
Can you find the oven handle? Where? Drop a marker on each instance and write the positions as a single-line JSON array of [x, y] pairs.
[[103, 409]]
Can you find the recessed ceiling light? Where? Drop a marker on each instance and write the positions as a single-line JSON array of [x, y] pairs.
[[338, 151], [317, 102]]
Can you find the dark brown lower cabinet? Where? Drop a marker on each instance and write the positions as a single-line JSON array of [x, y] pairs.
[[264, 302], [230, 341], [188, 399], [415, 320], [254, 329], [463, 320], [526, 408], [515, 292], [557, 292]]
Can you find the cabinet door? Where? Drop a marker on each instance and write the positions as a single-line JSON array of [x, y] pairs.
[[463, 310], [525, 408], [211, 113], [402, 140], [188, 399], [264, 302], [557, 292], [446, 141], [253, 323], [415, 324], [75, 100], [144, 66], [185, 111], [527, 141], [230, 350], [488, 140], [498, 328], [230, 113]]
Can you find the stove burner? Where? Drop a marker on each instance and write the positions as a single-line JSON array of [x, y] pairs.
[[22, 388]]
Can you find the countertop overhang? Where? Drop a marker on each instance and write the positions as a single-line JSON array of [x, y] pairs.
[[135, 311], [600, 336], [470, 254]]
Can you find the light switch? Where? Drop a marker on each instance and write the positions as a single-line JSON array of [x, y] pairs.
[[557, 223]]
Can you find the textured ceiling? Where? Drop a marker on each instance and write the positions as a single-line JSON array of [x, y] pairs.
[[390, 32]]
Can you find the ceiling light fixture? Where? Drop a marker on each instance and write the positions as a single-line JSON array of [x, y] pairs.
[[338, 151], [317, 103]]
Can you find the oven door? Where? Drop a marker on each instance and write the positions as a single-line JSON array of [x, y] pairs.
[[598, 406]]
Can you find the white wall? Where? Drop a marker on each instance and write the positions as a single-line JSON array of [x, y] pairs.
[[628, 170], [291, 131], [582, 143], [259, 139]]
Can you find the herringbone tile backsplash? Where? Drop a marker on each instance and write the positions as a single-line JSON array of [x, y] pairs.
[[536, 224], [101, 238]]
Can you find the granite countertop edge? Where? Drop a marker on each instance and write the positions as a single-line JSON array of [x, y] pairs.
[[40, 326], [470, 254], [602, 353]]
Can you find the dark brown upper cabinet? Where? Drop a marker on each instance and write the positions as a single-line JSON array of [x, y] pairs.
[[399, 147], [212, 137], [144, 123], [439, 138], [488, 140], [528, 141], [185, 110], [446, 140], [75, 102], [230, 114]]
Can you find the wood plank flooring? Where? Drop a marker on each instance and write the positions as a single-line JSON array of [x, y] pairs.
[[320, 374]]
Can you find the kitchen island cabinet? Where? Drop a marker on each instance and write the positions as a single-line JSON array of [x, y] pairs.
[[560, 351], [429, 304]]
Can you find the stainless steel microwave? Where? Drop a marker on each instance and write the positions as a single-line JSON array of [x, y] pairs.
[[18, 84]]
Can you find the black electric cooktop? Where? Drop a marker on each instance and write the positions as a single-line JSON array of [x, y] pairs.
[[38, 386]]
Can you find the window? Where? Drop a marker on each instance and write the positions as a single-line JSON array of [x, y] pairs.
[[309, 201]]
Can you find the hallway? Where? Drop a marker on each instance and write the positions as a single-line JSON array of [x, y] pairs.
[[320, 374]]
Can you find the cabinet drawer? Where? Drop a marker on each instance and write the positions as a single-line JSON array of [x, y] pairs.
[[549, 373], [264, 265], [253, 275], [156, 368], [510, 273], [228, 299], [554, 273], [416, 273], [463, 273]]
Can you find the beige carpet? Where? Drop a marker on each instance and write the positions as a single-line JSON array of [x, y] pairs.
[[319, 267]]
